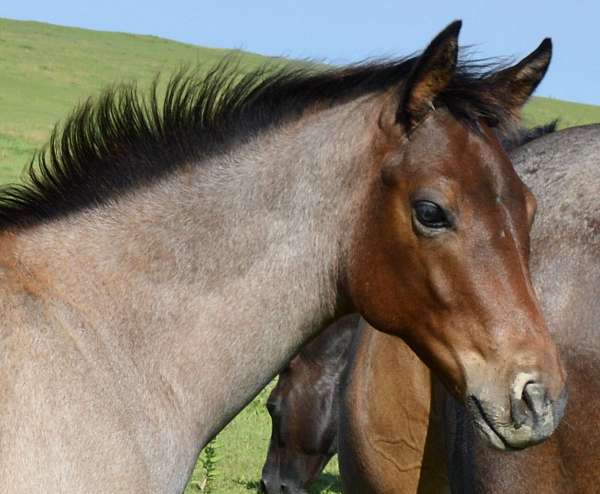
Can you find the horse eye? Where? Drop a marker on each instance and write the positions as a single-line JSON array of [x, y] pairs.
[[271, 408], [431, 215]]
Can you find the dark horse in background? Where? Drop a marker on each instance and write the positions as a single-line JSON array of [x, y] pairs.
[[401, 429], [167, 257], [304, 410]]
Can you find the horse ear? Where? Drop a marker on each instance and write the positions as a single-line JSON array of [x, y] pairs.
[[430, 75], [516, 84]]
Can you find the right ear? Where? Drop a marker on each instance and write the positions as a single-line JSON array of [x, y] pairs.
[[515, 84], [430, 75]]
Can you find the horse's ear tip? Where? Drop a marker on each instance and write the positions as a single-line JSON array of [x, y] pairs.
[[449, 33], [453, 28], [456, 25], [546, 44], [544, 51]]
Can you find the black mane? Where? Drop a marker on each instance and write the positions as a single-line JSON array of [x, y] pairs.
[[126, 139], [522, 135]]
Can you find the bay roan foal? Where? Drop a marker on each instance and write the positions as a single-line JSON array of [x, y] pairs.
[[164, 260]]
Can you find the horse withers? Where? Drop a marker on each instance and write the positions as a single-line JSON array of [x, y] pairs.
[[166, 258]]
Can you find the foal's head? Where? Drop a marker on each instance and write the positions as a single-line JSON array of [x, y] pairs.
[[441, 254]]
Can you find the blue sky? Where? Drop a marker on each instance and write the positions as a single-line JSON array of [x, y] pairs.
[[345, 31]]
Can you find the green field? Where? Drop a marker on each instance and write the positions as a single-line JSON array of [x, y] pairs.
[[45, 70]]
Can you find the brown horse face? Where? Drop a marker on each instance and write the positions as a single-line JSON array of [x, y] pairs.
[[442, 261], [450, 238]]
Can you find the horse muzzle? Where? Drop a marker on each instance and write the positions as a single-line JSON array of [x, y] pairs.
[[269, 487], [531, 417]]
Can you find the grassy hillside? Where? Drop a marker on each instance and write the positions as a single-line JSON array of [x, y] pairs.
[[45, 70]]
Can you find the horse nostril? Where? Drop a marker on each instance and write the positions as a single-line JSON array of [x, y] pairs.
[[534, 395], [530, 404]]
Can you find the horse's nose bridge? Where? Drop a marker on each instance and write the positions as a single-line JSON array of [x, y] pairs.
[[497, 292], [514, 316], [506, 245]]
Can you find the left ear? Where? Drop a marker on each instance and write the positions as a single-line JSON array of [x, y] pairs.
[[516, 84], [430, 75]]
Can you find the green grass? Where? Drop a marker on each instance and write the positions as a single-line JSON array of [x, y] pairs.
[[13, 153], [46, 70], [569, 114], [240, 453]]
